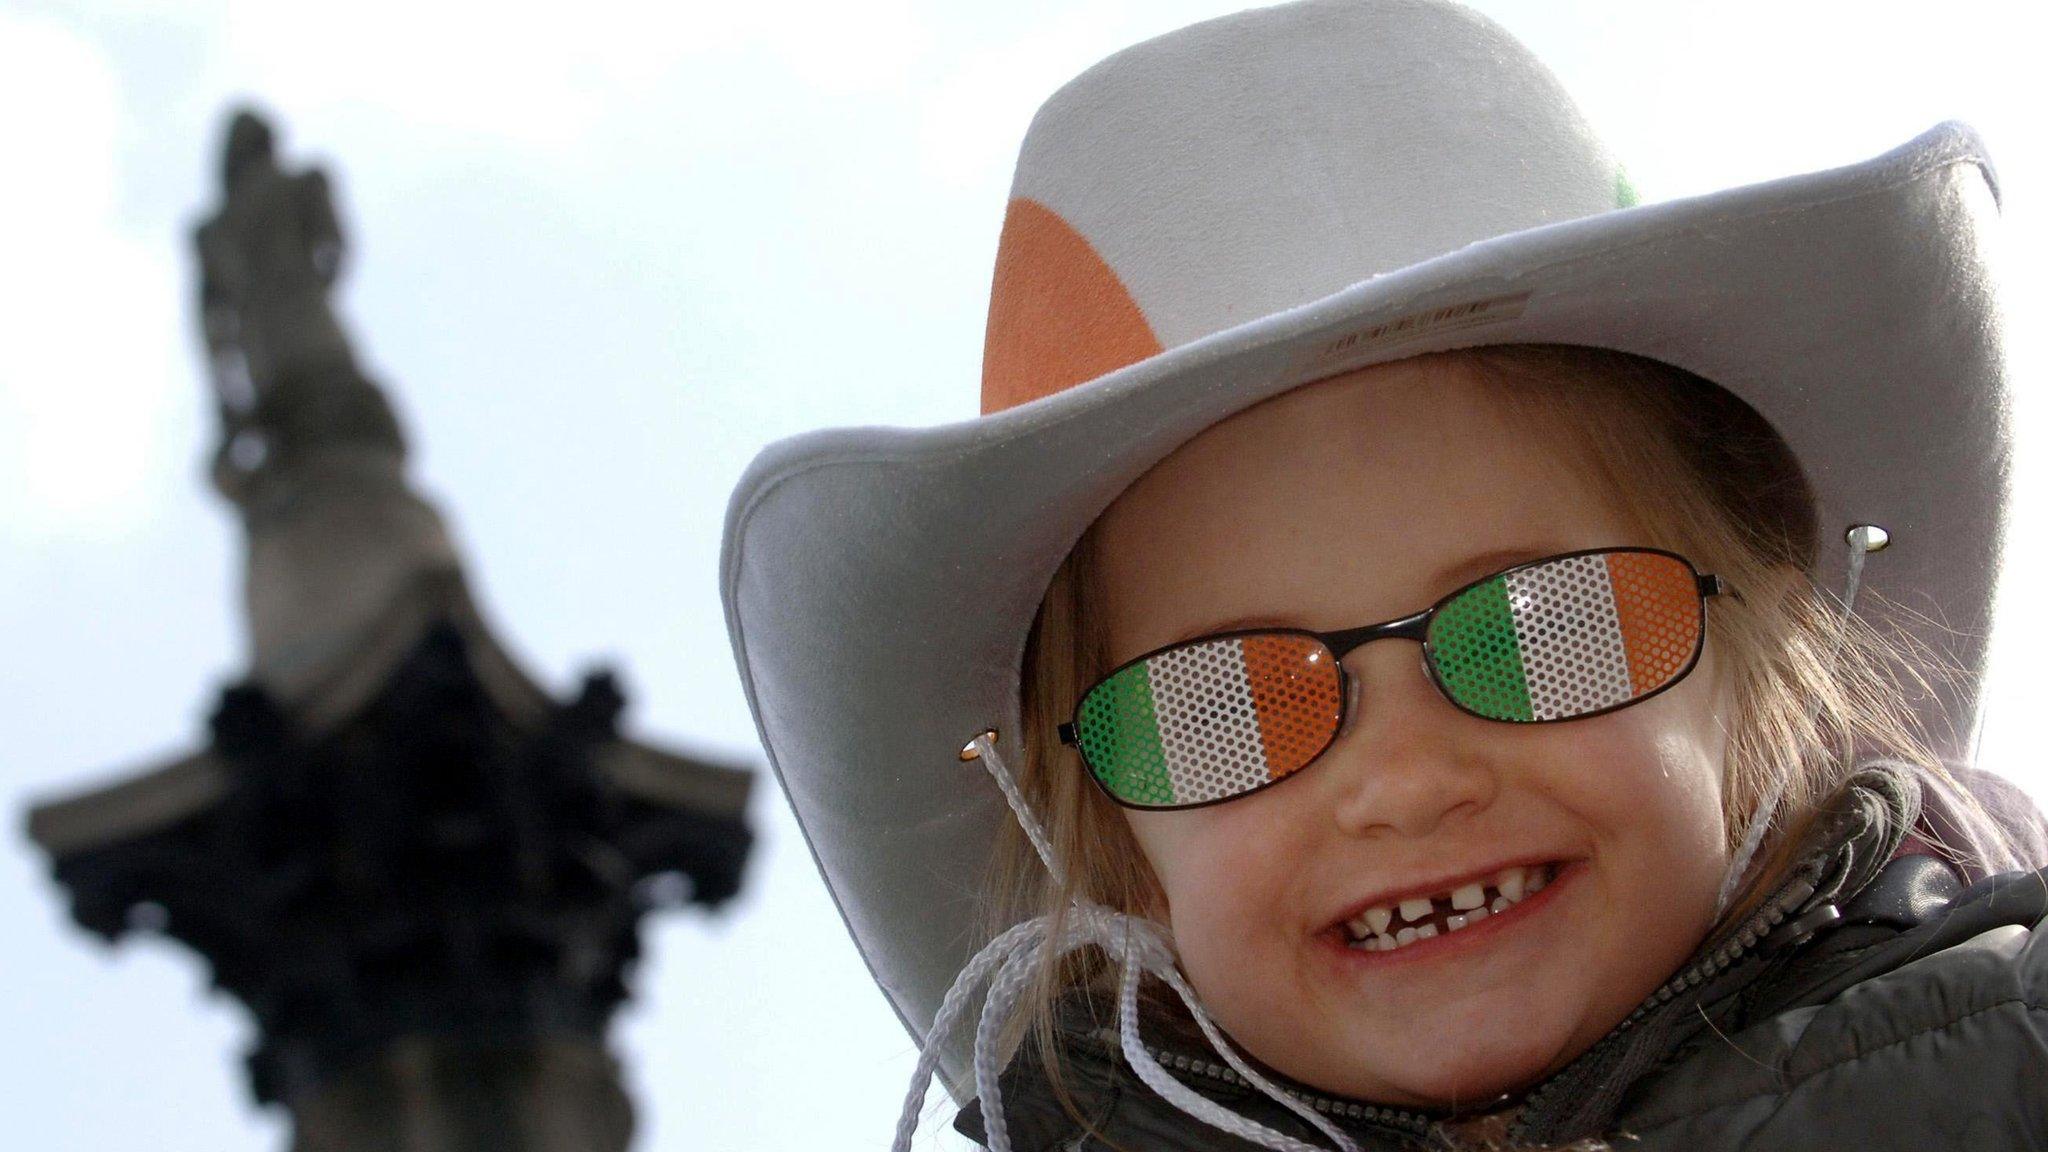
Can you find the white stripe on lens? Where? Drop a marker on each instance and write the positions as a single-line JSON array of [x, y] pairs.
[[1573, 655], [1208, 729]]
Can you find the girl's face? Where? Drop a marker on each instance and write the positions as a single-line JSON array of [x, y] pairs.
[[1348, 502]]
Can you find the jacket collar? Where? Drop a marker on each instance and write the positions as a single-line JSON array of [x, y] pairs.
[[1852, 841]]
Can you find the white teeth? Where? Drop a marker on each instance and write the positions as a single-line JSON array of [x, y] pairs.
[[1370, 929], [1510, 882], [1373, 922]]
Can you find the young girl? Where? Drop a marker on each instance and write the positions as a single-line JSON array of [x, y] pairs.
[[1432, 630]]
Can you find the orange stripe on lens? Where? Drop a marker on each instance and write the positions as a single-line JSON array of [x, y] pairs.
[[1298, 695], [1658, 602]]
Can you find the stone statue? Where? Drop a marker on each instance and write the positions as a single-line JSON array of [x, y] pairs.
[[346, 560], [267, 260]]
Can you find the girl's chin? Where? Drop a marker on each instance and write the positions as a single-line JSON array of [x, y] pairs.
[[1469, 1087], [1458, 1059], [1472, 1083]]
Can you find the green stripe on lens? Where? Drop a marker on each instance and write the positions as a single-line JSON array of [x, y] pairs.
[[1472, 643], [1118, 732]]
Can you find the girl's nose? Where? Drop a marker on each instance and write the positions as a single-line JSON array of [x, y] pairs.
[[1407, 760]]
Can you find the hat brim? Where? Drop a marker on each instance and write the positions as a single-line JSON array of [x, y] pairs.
[[879, 583]]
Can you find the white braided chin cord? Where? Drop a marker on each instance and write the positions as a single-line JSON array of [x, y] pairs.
[[1860, 545], [1006, 964]]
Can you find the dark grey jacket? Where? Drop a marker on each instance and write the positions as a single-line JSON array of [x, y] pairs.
[[1873, 1003]]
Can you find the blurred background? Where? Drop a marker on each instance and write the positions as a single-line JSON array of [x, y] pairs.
[[601, 254]]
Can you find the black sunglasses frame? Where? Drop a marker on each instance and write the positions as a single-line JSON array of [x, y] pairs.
[[1413, 627]]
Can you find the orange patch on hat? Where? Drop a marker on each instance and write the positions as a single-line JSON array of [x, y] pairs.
[[1058, 314]]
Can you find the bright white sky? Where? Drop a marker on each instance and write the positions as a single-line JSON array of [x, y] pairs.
[[604, 252]]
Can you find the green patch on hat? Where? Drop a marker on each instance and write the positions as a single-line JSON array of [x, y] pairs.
[[1625, 195]]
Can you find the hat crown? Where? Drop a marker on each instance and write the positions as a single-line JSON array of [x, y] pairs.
[[1250, 164]]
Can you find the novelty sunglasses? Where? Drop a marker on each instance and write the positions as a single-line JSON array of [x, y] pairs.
[[1561, 638]]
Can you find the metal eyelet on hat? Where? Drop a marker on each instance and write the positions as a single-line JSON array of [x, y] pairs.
[[969, 752]]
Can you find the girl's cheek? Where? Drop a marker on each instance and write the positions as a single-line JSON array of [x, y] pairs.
[[1670, 809], [1692, 758], [1667, 745], [1692, 773], [1214, 864]]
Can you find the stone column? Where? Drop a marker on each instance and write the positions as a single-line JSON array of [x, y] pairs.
[[421, 872]]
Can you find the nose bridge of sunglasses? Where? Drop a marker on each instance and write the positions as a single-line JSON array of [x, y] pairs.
[[1414, 627], [1395, 674]]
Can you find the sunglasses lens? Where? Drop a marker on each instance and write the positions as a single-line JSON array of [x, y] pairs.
[[1568, 637], [1211, 720]]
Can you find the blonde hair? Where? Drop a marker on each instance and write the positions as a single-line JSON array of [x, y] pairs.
[[1813, 692]]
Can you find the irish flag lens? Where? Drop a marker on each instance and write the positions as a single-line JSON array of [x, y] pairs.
[[1568, 637], [1211, 720]]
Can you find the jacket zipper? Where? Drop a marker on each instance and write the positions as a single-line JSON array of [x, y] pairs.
[[1400, 1122], [1755, 931]]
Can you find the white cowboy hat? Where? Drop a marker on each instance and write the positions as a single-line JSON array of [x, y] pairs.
[[1253, 203]]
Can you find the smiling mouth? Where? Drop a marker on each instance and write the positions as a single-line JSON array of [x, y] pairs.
[[1392, 927]]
